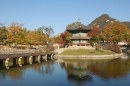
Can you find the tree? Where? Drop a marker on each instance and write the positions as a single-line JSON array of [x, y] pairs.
[[35, 37], [16, 33], [48, 32], [30, 37], [65, 38], [116, 32], [40, 37], [56, 39], [3, 32], [94, 34]]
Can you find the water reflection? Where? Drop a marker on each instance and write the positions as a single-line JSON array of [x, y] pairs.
[[78, 72], [68, 73], [18, 72], [83, 71], [111, 69]]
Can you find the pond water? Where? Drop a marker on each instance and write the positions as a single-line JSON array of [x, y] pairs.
[[69, 73]]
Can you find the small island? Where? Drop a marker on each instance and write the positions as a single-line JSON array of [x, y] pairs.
[[82, 42], [88, 54]]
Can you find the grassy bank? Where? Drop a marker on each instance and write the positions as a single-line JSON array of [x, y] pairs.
[[87, 52]]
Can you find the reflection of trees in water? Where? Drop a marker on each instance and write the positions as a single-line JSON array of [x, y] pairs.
[[2, 75], [105, 69], [111, 69], [43, 68], [46, 68], [17, 72], [13, 73]]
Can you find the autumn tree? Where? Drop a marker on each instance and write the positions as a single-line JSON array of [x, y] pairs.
[[30, 37], [56, 39], [116, 32], [48, 33], [94, 34], [65, 38], [3, 32], [40, 36], [35, 37], [128, 36], [16, 33]]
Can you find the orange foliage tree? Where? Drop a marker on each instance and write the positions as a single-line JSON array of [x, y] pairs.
[[16, 33], [116, 32], [19, 35]]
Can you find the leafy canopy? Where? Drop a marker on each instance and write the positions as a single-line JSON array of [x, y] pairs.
[[115, 32]]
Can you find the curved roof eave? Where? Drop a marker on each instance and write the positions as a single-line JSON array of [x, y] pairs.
[[78, 26]]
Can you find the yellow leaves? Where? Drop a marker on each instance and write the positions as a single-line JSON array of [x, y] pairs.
[[115, 32], [14, 27], [16, 33], [33, 37], [19, 35]]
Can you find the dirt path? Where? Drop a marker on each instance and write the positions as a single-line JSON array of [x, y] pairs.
[[60, 50]]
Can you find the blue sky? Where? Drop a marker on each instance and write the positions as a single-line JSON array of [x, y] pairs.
[[59, 13]]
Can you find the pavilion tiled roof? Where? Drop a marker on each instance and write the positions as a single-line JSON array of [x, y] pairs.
[[78, 26]]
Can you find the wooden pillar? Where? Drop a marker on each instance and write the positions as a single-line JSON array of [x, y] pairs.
[[80, 42]]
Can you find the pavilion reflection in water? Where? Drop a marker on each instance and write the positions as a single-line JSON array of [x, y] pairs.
[[78, 72]]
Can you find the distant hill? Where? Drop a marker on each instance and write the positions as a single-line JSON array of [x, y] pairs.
[[102, 20]]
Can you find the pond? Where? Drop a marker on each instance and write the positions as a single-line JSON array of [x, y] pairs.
[[69, 73]]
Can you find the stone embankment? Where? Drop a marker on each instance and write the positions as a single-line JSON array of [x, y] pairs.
[[113, 56]]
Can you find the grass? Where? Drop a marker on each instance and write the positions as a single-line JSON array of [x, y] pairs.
[[87, 52]]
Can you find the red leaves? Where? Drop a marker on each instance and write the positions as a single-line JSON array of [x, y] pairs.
[[94, 32], [65, 37]]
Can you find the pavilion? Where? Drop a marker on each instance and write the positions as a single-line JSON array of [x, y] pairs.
[[79, 33]]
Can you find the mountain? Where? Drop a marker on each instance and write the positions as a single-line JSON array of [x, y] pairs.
[[102, 20]]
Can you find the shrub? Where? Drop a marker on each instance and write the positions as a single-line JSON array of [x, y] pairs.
[[107, 46], [112, 47], [116, 48]]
